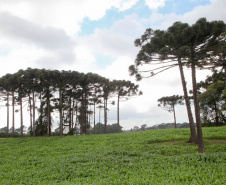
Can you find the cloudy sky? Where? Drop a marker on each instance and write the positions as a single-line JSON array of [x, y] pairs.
[[98, 36]]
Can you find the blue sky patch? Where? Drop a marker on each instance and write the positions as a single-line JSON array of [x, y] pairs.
[[180, 7], [112, 15]]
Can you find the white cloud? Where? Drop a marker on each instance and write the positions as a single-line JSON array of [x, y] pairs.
[[125, 5], [213, 11], [130, 26], [110, 43], [154, 4], [118, 69], [44, 34], [67, 15]]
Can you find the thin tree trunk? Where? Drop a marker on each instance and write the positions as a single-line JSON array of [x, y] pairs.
[[69, 113], [82, 116], [72, 115], [118, 112], [7, 113], [99, 115], [94, 116], [21, 117], [85, 114], [76, 113], [105, 116], [13, 111], [193, 138], [30, 113], [41, 109], [48, 114], [33, 111], [60, 112], [197, 111], [174, 115]]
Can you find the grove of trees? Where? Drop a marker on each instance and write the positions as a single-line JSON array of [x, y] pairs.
[[201, 45], [69, 94]]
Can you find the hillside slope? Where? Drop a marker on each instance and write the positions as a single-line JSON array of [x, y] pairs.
[[148, 157]]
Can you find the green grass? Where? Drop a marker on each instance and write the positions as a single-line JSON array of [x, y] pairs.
[[149, 157]]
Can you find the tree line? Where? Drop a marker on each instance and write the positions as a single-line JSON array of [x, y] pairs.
[[73, 95], [201, 45]]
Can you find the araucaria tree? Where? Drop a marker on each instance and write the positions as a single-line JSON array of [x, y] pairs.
[[124, 90], [180, 45], [70, 94], [169, 102]]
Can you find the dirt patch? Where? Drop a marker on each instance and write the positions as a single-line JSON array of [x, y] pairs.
[[186, 142], [217, 141]]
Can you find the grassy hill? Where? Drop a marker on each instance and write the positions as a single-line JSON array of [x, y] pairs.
[[148, 157]]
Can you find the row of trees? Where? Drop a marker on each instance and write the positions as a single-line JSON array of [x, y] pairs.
[[70, 93], [212, 102], [201, 45], [159, 126]]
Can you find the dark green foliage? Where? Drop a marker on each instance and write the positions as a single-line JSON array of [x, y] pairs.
[[212, 100], [68, 92], [168, 102], [113, 128], [195, 46]]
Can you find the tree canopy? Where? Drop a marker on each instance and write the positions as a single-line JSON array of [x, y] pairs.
[[69, 93], [195, 46]]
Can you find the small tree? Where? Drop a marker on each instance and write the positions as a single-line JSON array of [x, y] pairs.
[[169, 102], [124, 90]]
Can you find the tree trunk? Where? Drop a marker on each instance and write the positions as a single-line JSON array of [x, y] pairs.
[[30, 113], [85, 113], [21, 117], [41, 109], [174, 115], [99, 114], [94, 116], [105, 116], [197, 111], [7, 113], [13, 111], [48, 114], [82, 115], [76, 113], [118, 112], [69, 112], [33, 112], [60, 112], [193, 138], [72, 114]]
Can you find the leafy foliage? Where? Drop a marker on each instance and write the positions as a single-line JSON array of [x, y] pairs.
[[67, 92], [148, 157]]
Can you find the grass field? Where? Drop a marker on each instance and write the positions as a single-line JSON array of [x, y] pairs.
[[148, 157]]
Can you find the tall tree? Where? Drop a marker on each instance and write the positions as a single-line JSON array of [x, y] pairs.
[[198, 38], [195, 41], [108, 89], [163, 48]]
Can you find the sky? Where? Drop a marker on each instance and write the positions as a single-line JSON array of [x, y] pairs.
[[98, 36]]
